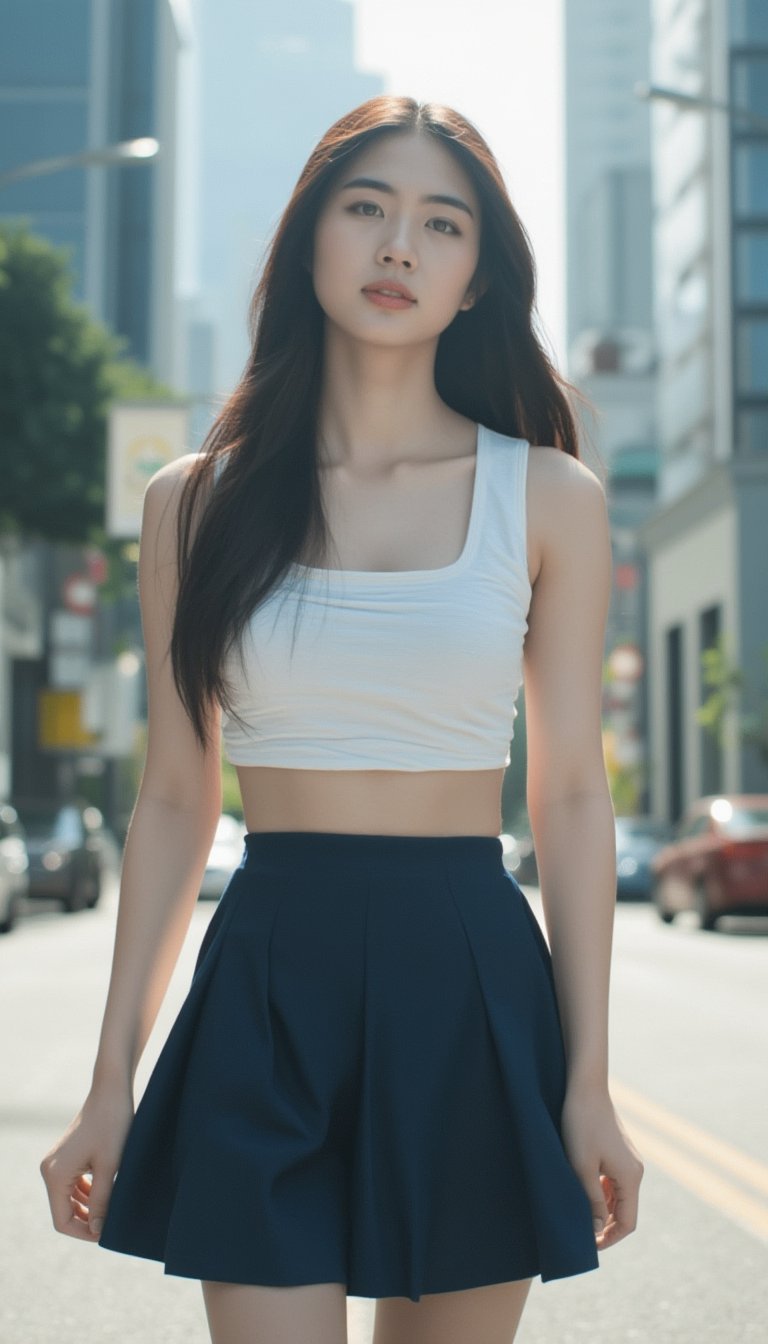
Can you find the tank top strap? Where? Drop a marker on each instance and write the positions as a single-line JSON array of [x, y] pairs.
[[504, 543]]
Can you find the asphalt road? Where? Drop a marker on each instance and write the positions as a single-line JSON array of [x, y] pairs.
[[689, 1046]]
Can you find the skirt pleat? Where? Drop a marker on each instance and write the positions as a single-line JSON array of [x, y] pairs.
[[364, 1082]]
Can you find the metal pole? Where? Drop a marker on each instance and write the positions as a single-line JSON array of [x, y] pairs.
[[649, 92], [125, 152]]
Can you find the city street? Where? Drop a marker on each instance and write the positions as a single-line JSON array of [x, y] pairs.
[[326, 302], [688, 1051]]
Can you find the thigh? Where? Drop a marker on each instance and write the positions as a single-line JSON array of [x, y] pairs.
[[487, 1315], [244, 1313]]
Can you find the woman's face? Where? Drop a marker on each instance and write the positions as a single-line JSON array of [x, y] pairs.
[[367, 235]]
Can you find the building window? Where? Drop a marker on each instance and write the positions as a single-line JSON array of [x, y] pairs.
[[751, 273], [43, 130], [748, 21], [45, 43], [711, 770], [752, 354], [752, 430], [750, 179], [674, 726], [749, 86]]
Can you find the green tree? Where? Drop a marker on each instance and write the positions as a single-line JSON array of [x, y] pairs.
[[59, 371], [729, 688]]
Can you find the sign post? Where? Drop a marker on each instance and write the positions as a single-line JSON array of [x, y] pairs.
[[142, 437]]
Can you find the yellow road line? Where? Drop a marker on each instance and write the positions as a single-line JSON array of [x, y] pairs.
[[751, 1214], [729, 1158]]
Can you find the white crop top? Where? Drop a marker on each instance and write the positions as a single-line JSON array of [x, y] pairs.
[[395, 670]]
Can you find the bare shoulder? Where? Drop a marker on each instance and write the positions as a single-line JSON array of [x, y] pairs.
[[162, 497], [169, 479], [176, 770], [564, 501]]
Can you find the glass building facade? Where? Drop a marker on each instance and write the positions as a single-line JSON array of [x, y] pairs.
[[748, 80], [82, 75], [711, 202], [684, 224], [273, 78], [707, 545], [44, 112]]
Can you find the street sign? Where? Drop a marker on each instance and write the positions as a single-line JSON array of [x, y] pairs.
[[60, 722], [96, 564], [78, 593], [141, 438]]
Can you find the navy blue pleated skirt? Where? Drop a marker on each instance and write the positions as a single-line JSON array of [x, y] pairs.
[[364, 1083]]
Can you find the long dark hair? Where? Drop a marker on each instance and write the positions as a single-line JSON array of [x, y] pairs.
[[237, 542]]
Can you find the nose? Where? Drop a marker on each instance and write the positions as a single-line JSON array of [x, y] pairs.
[[397, 249]]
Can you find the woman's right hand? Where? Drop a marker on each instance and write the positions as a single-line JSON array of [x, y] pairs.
[[79, 1169]]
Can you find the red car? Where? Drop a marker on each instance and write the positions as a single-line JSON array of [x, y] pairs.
[[717, 864]]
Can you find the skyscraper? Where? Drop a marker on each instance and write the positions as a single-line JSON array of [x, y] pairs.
[[84, 75], [272, 77], [707, 545]]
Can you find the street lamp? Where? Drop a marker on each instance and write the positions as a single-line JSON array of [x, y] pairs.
[[124, 152], [692, 100]]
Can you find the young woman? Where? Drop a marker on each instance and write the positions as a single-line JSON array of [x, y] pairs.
[[383, 1082]]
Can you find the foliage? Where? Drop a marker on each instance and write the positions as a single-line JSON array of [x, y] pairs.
[[626, 782], [231, 800], [59, 371], [725, 682], [729, 689]]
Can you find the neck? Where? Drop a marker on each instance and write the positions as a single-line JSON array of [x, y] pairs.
[[379, 404]]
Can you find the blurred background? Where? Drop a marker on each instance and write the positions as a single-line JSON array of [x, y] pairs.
[[147, 150]]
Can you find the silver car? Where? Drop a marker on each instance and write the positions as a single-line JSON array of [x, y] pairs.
[[14, 867], [226, 854]]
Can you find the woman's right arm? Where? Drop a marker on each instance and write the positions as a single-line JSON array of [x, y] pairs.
[[166, 850]]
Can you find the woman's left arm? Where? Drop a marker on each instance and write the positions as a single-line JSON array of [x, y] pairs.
[[571, 814]]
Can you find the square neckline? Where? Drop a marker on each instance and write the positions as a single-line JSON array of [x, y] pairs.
[[400, 575]]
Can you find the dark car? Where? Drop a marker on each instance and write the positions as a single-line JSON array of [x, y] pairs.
[[14, 866], [65, 851], [717, 863], [638, 839]]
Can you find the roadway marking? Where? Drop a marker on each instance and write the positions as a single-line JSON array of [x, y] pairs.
[[748, 1169], [643, 1122]]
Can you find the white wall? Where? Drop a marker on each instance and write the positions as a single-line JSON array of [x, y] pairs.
[[688, 575]]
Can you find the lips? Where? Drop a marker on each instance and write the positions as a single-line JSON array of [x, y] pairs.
[[391, 287]]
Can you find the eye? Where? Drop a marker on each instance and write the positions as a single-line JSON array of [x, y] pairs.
[[354, 208], [362, 205], [451, 226]]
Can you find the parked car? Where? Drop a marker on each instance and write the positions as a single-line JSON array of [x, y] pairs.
[[65, 851], [638, 839], [717, 863], [14, 866], [520, 858], [226, 854]]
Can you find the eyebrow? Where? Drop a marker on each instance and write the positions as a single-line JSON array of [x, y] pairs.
[[374, 185]]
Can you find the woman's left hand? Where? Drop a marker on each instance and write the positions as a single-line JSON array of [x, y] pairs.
[[605, 1160]]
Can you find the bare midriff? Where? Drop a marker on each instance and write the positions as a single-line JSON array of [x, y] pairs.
[[372, 802]]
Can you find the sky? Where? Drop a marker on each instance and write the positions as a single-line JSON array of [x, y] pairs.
[[499, 62]]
